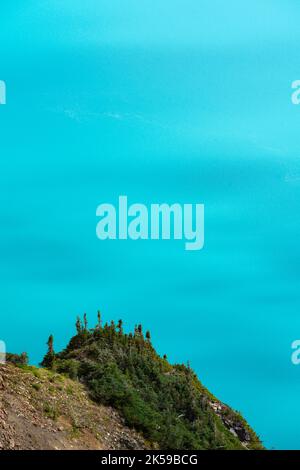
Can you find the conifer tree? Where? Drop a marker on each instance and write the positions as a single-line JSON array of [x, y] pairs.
[[85, 322], [99, 319], [140, 330], [148, 335], [49, 358], [50, 344], [120, 327], [78, 326], [24, 358]]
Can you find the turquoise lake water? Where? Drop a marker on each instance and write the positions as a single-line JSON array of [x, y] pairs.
[[173, 101]]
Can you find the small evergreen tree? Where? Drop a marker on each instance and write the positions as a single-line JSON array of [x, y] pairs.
[[85, 322], [24, 358], [120, 327], [99, 319], [78, 326], [49, 358], [50, 344]]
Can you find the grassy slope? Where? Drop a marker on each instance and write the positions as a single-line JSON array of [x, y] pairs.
[[40, 409]]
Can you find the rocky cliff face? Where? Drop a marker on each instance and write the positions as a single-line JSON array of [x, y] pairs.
[[43, 410]]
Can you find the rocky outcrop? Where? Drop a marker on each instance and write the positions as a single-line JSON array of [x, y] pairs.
[[230, 421], [43, 410]]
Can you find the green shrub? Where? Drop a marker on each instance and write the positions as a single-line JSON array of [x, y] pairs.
[[17, 359]]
